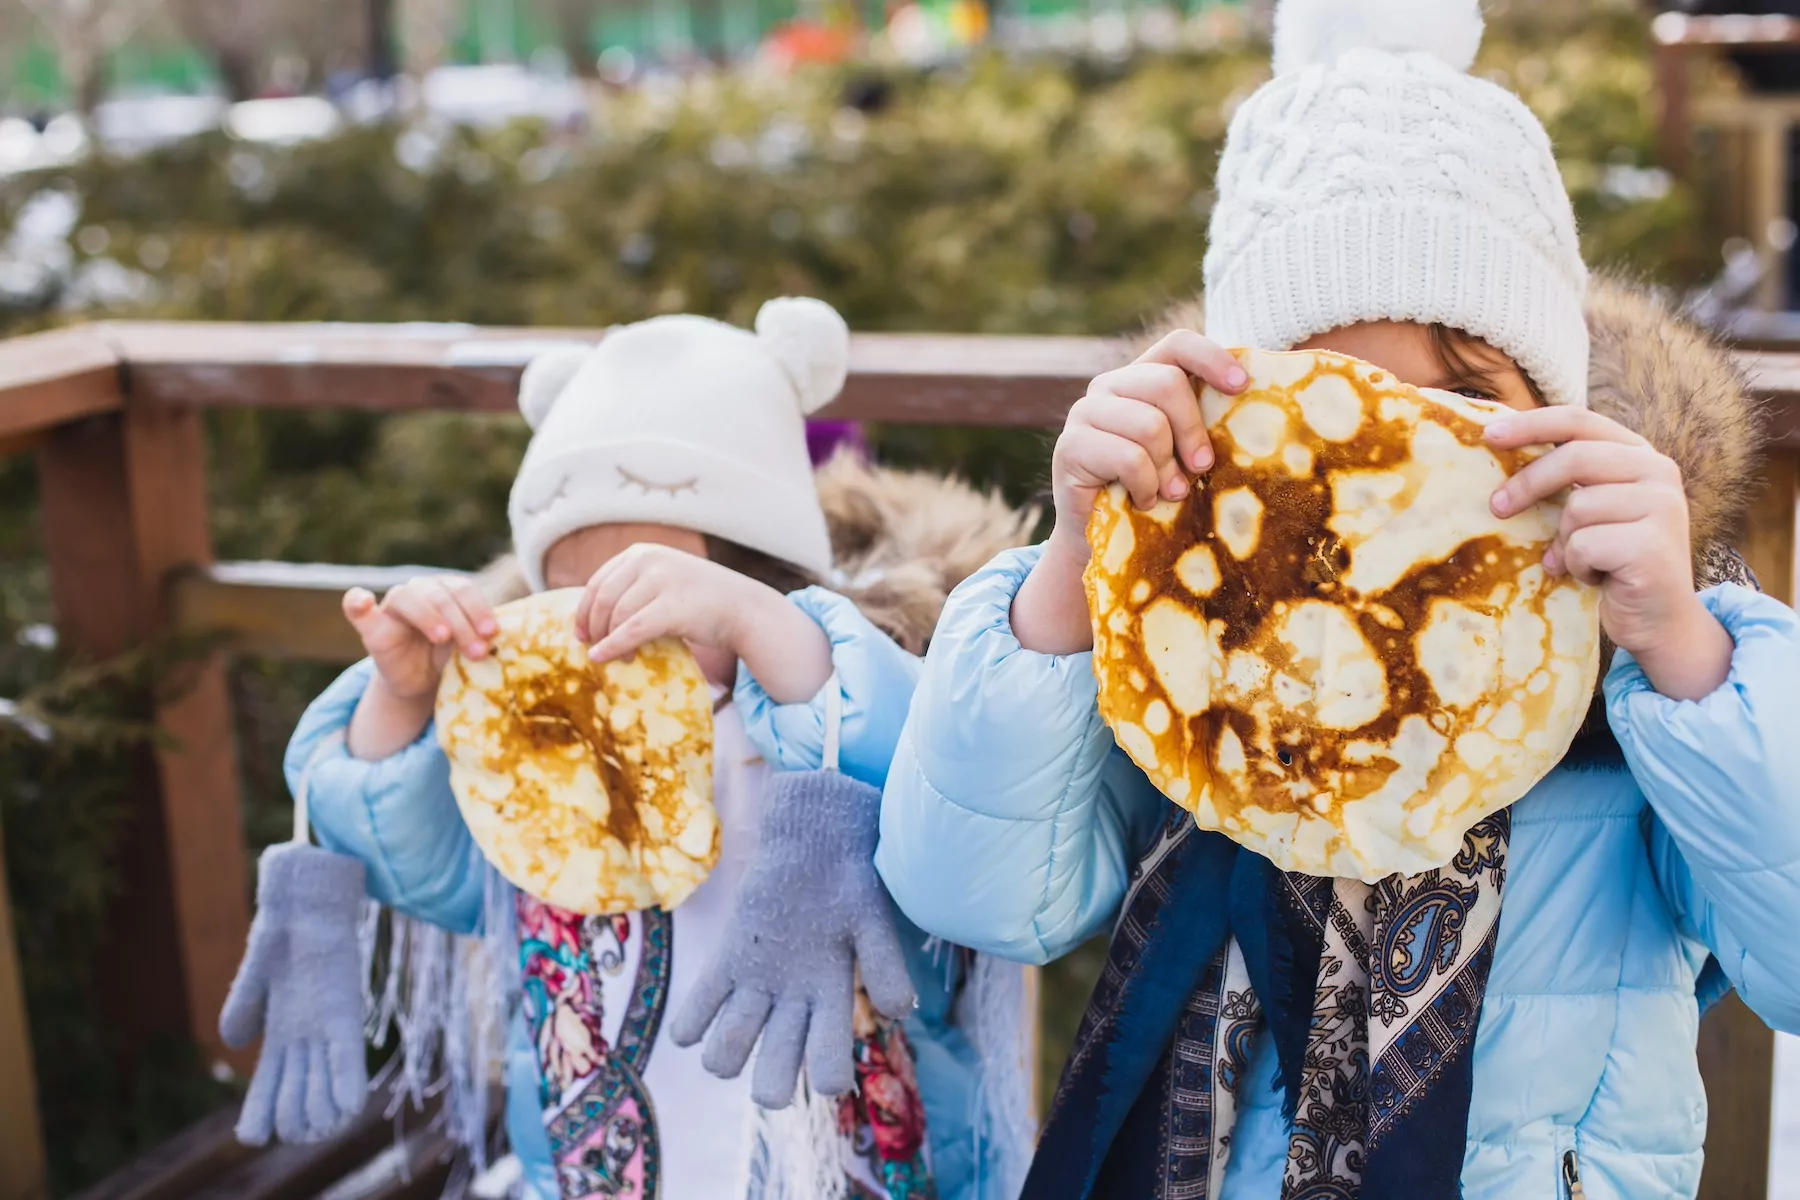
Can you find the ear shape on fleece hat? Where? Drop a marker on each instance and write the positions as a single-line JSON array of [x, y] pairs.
[[545, 378], [1318, 31], [812, 344]]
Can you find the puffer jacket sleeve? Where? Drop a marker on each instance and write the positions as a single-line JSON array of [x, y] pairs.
[[396, 815], [1010, 820], [875, 680], [1722, 776]]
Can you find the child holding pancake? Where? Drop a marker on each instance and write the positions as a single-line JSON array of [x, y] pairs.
[[668, 477], [1250, 1037]]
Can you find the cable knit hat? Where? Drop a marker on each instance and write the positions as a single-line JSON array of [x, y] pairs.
[[1374, 179], [682, 421]]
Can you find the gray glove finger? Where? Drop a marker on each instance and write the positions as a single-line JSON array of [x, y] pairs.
[[256, 1120], [704, 1002], [883, 964], [321, 1111], [830, 1041], [290, 1097], [729, 1046], [349, 1071], [778, 1059], [241, 1020]]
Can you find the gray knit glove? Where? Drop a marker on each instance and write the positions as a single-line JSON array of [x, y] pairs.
[[300, 990], [810, 907]]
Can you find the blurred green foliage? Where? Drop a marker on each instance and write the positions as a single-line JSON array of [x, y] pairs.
[[1006, 195]]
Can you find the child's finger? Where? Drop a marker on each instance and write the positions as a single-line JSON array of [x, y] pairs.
[[1609, 504], [1202, 357], [416, 609], [1148, 426], [603, 592], [1171, 391], [462, 630], [1554, 425], [475, 607], [1593, 553], [584, 606], [362, 611], [627, 635], [1099, 458], [1579, 464]]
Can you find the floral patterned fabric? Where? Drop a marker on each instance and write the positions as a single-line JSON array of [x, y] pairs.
[[595, 991]]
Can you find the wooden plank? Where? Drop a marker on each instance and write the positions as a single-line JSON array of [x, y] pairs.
[[123, 504], [902, 378], [178, 1167], [165, 455], [23, 1174], [280, 610], [48, 379], [101, 611]]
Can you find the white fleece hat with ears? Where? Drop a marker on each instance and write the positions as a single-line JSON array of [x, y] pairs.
[[1374, 179], [682, 421]]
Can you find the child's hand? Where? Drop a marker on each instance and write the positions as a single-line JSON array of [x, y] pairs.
[[411, 633], [649, 591], [1625, 530], [1139, 425]]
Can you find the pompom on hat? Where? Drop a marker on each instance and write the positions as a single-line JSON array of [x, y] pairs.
[[682, 421], [1374, 179]]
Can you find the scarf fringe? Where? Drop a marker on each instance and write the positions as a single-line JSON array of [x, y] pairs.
[[446, 1001], [994, 1011], [794, 1153]]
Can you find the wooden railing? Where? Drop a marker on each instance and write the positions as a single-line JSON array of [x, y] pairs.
[[112, 412]]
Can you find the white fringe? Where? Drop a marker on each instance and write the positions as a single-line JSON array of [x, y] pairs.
[[992, 1012], [795, 1153], [448, 999]]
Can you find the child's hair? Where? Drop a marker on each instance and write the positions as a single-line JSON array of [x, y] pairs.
[[1455, 351], [754, 564]]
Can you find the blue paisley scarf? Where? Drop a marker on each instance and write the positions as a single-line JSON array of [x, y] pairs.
[[1371, 993]]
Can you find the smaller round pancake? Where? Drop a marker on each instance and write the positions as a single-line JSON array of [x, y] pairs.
[[1332, 650], [589, 787]]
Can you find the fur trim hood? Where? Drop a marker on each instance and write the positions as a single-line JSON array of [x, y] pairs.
[[900, 542], [1665, 380]]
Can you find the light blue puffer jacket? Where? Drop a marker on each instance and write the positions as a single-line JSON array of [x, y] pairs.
[[398, 817], [1012, 821]]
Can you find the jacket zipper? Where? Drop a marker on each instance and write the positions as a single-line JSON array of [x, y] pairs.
[[1571, 1176]]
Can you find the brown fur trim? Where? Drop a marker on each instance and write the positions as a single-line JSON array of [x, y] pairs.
[[1675, 386], [902, 540]]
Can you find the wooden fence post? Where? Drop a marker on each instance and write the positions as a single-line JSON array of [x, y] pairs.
[[22, 1167], [124, 508], [1737, 1051]]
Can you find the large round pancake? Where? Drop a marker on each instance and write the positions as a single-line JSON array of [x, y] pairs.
[[1332, 651], [589, 787]]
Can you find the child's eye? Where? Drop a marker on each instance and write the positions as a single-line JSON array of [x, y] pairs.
[[1476, 394]]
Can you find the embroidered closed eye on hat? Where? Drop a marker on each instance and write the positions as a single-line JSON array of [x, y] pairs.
[[1375, 179], [682, 421]]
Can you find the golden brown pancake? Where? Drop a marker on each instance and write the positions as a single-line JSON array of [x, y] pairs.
[[1332, 651], [589, 787]]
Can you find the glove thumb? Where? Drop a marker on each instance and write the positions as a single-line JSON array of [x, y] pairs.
[[241, 1020], [882, 965]]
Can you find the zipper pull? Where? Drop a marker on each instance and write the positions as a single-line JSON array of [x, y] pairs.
[[1571, 1173]]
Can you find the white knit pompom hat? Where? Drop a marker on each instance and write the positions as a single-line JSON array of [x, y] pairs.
[[1374, 179], [682, 421]]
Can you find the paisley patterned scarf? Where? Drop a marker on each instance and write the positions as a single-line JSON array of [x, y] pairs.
[[1371, 993]]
